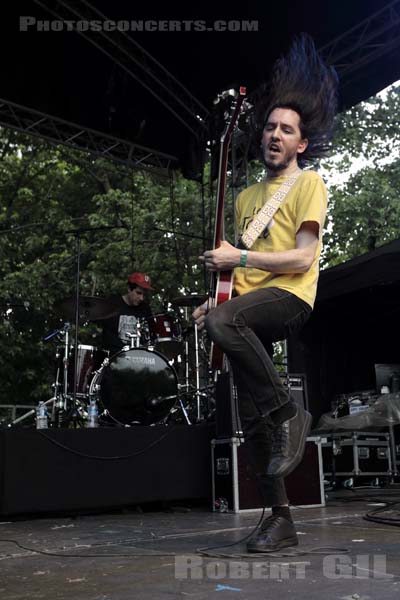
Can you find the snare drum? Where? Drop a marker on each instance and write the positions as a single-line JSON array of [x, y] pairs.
[[137, 385], [165, 335]]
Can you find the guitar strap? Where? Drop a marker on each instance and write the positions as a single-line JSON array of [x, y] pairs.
[[261, 220]]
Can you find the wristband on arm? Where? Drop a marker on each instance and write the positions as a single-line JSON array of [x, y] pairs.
[[243, 258]]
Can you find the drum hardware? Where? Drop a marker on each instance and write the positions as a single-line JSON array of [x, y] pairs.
[[186, 302], [76, 413], [65, 408], [90, 308], [190, 300], [157, 392], [139, 337], [184, 411], [162, 332], [136, 386], [188, 404], [58, 400], [134, 337], [84, 308], [78, 307], [179, 408], [61, 399], [199, 416], [88, 359], [127, 391], [185, 333]]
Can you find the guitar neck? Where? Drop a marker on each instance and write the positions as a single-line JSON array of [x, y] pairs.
[[221, 283], [222, 168]]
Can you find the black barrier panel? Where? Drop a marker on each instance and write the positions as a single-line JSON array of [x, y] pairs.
[[67, 469]]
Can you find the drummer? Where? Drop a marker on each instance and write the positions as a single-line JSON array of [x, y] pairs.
[[131, 307]]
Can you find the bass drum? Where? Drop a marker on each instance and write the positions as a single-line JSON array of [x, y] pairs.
[[136, 386]]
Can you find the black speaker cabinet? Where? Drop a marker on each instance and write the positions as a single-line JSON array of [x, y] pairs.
[[227, 414], [297, 384]]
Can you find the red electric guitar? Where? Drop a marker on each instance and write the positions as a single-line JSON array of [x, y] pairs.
[[221, 283]]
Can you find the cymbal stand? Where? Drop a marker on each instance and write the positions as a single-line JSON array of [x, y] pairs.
[[197, 371], [187, 385], [198, 394], [183, 409], [60, 400], [61, 403], [78, 233], [57, 400], [77, 294]]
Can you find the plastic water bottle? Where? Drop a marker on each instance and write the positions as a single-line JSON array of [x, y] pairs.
[[41, 416], [93, 415], [221, 505]]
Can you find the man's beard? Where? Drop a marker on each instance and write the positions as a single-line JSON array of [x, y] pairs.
[[276, 167]]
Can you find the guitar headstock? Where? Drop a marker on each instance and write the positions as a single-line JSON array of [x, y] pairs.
[[229, 104]]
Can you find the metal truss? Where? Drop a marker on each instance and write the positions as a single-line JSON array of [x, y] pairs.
[[374, 37], [238, 164], [124, 51], [58, 131]]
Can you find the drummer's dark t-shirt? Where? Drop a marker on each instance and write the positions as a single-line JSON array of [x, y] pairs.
[[116, 329]]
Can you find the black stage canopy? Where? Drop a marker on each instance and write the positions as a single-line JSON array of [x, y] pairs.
[[379, 267], [103, 81], [355, 325]]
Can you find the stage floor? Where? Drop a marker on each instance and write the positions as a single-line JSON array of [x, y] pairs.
[[140, 553]]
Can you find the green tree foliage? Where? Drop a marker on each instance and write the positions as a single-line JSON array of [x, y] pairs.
[[133, 220], [364, 210], [129, 220], [35, 261]]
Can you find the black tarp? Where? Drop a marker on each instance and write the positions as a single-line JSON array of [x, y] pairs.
[[355, 325]]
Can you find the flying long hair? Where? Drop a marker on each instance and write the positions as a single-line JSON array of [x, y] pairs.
[[301, 81]]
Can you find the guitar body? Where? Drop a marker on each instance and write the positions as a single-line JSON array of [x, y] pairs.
[[221, 283], [224, 287]]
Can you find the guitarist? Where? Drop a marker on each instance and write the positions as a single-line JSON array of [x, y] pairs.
[[275, 282]]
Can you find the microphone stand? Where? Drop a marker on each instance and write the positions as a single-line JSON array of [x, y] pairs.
[[77, 233], [58, 401], [77, 294]]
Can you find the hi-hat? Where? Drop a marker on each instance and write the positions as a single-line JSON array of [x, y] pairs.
[[189, 300], [91, 308]]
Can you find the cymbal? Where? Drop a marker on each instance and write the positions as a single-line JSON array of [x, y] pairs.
[[92, 308], [189, 300]]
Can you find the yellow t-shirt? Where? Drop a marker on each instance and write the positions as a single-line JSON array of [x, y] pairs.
[[306, 201]]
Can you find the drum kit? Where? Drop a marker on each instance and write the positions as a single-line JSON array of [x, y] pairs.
[[162, 376]]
